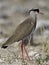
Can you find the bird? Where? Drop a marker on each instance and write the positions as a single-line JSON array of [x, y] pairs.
[[22, 31]]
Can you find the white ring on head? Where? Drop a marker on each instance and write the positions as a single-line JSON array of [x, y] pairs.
[[36, 13]]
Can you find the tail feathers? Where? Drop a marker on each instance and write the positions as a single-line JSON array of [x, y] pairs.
[[3, 46]]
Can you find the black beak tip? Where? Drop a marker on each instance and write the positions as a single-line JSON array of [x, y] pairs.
[[4, 47]]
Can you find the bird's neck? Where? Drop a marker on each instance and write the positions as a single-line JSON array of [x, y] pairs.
[[34, 16], [35, 19]]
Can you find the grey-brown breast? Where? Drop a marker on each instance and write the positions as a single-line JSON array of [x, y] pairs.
[[22, 31]]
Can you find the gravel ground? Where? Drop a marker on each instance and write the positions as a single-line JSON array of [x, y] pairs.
[[38, 53]]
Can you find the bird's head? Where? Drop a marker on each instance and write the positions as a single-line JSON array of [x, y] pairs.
[[37, 11]]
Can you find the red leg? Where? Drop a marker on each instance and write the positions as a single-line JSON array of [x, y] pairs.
[[23, 47], [26, 51], [22, 50]]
